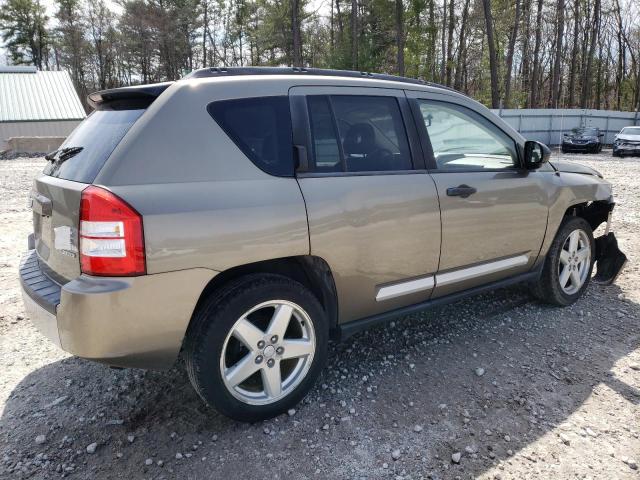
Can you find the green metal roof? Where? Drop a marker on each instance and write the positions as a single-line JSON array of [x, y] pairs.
[[29, 95]]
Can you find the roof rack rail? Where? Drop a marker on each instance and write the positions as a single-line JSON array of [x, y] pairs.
[[239, 71]]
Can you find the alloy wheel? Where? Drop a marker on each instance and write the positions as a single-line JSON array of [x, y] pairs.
[[268, 352], [575, 262]]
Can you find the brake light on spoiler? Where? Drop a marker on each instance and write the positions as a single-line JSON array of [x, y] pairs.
[[111, 235]]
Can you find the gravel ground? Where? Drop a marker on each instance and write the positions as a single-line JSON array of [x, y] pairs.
[[497, 386]]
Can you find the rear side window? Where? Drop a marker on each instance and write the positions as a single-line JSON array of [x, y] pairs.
[[261, 128], [354, 133], [98, 135]]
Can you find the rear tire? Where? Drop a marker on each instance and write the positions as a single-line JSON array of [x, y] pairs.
[[567, 269], [256, 347]]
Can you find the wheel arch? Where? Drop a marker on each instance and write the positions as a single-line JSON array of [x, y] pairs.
[[311, 271], [595, 212]]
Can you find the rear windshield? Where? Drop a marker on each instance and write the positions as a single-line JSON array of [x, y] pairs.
[[98, 135]]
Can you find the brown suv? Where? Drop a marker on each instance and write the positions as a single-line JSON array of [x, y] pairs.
[[244, 217]]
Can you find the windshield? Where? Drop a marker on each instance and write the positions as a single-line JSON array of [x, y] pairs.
[[93, 141], [631, 130], [586, 131]]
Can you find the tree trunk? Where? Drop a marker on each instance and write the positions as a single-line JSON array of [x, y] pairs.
[[443, 43], [354, 34], [510, 52], [462, 47], [493, 56], [297, 37], [555, 86], [400, 36], [452, 24], [574, 54], [340, 24], [593, 39], [525, 68], [332, 33], [621, 55], [432, 39], [205, 29], [535, 77]]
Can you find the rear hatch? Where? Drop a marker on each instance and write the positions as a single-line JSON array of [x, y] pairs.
[[56, 194], [55, 198]]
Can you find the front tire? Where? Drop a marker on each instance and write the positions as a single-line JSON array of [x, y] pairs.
[[256, 347], [567, 269]]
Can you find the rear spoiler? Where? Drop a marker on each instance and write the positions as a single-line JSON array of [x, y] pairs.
[[127, 98]]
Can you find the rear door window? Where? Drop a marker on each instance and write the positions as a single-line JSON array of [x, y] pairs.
[[261, 128], [97, 136], [357, 133]]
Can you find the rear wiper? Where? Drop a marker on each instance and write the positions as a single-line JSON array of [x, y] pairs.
[[62, 154], [67, 153], [51, 156]]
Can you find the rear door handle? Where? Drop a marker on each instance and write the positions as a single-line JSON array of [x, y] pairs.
[[461, 191]]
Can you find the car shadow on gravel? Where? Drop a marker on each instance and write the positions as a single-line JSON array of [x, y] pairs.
[[486, 377]]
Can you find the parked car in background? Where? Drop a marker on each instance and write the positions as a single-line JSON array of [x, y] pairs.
[[243, 217], [627, 142], [585, 139]]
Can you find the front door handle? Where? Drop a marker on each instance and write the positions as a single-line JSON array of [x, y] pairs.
[[461, 191]]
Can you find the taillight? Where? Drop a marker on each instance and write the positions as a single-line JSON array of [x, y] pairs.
[[111, 235]]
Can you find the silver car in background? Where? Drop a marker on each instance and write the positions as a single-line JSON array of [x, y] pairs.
[[627, 142]]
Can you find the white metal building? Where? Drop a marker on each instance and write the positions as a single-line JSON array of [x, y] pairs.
[[37, 104]]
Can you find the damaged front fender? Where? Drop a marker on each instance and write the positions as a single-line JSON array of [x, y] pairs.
[[609, 259]]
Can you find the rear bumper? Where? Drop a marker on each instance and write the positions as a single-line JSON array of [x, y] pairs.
[[128, 322], [41, 296]]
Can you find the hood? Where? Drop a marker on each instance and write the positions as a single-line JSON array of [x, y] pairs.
[[626, 136], [578, 136], [570, 167]]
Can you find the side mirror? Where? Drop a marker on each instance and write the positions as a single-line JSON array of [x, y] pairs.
[[535, 154]]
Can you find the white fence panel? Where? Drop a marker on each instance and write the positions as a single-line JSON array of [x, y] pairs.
[[547, 125]]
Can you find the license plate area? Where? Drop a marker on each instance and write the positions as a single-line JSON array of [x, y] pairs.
[[42, 227]]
